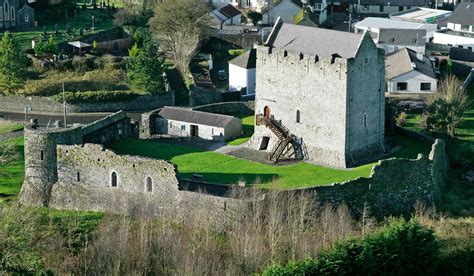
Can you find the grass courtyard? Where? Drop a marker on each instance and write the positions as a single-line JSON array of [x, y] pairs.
[[12, 173], [225, 169]]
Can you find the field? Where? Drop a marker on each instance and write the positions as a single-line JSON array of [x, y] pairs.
[[220, 168], [247, 127], [12, 173], [6, 126]]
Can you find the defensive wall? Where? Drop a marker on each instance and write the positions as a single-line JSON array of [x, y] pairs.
[[64, 171], [45, 104]]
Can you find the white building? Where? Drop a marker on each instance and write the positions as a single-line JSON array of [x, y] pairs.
[[182, 122], [460, 30], [385, 7], [226, 15], [392, 35], [242, 72], [421, 15], [409, 72]]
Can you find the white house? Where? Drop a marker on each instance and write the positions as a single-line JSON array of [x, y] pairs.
[[421, 15], [242, 72], [385, 7], [392, 35], [226, 15], [460, 30], [182, 122], [409, 72]]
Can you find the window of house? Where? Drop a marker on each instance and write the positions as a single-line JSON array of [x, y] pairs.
[[465, 28], [6, 9], [298, 116], [171, 124], [78, 176], [392, 39], [469, 48], [381, 8], [12, 12], [183, 127], [149, 184], [400, 8], [113, 180], [1, 13], [401, 86], [425, 86], [27, 18], [414, 40]]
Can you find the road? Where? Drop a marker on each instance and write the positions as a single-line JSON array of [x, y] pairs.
[[45, 118]]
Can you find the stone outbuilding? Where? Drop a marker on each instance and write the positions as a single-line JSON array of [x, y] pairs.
[[182, 122], [319, 96]]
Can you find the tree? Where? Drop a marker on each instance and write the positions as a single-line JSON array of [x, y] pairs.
[[39, 47], [145, 68], [13, 64], [51, 46], [446, 110], [181, 25]]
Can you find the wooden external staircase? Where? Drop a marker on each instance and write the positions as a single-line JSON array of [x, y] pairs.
[[287, 145]]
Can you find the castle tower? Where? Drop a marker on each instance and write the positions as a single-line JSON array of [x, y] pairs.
[[41, 170]]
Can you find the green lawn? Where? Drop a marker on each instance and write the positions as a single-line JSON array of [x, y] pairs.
[[220, 168], [7, 126], [84, 18], [414, 122], [247, 127], [12, 173]]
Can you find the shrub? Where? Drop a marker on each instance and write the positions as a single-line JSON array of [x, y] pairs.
[[401, 248], [95, 96], [83, 64], [402, 119], [236, 52]]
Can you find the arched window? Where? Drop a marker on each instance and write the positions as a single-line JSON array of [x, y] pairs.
[[1, 12], [113, 181], [6, 9], [12, 10], [365, 120], [149, 184], [41, 155], [27, 18], [298, 116]]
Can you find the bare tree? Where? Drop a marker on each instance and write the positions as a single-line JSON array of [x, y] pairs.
[[180, 26]]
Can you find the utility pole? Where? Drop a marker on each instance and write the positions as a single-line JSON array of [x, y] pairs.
[[65, 108]]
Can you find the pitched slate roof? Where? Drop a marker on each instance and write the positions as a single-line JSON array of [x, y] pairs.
[[402, 37], [313, 41], [463, 14], [404, 61], [418, 3], [461, 54], [248, 60], [225, 13], [195, 117]]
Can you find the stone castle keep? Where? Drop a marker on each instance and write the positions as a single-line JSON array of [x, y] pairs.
[[319, 96]]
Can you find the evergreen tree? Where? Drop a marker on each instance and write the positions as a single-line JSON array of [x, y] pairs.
[[51, 46], [39, 47], [145, 68], [13, 64]]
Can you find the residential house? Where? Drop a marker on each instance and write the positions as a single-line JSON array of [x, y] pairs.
[[242, 72], [460, 28], [409, 72], [386, 7], [226, 15], [421, 15], [183, 122], [392, 35], [16, 14]]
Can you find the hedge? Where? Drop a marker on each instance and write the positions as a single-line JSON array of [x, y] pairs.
[[95, 96]]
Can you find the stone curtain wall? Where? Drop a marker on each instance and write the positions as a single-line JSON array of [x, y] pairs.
[[44, 104]]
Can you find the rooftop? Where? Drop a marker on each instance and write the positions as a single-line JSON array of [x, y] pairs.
[[457, 33], [406, 60], [418, 3], [225, 13], [422, 15], [403, 37], [195, 117], [313, 41], [461, 54], [463, 14], [386, 23], [247, 60]]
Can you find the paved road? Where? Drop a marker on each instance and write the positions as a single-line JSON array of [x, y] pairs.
[[44, 118]]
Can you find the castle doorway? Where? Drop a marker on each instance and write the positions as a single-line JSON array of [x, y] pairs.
[[266, 112], [264, 143]]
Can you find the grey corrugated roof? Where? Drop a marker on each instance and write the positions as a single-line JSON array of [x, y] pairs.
[[314, 41], [404, 61], [247, 60], [461, 54], [402, 37], [417, 3], [463, 14], [195, 117]]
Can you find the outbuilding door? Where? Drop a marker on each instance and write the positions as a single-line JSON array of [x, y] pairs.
[[194, 130]]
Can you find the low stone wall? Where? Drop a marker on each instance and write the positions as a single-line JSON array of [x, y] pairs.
[[199, 96], [44, 104], [228, 108]]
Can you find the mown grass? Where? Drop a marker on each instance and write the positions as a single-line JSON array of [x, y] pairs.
[[225, 169], [247, 128], [8, 126], [12, 173]]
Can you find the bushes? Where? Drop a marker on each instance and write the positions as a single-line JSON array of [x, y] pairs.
[[95, 96], [401, 248]]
